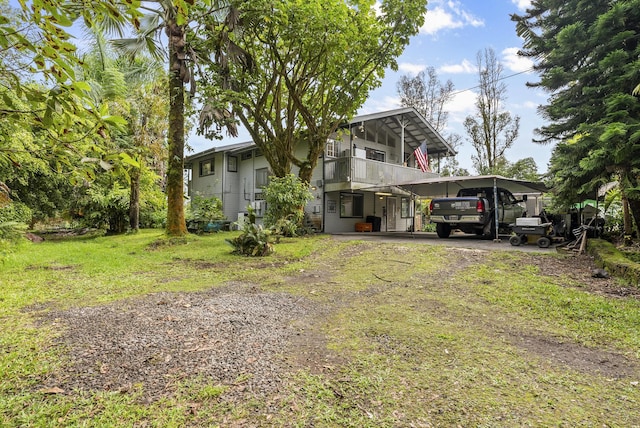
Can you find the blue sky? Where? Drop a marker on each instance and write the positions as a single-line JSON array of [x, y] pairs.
[[453, 33]]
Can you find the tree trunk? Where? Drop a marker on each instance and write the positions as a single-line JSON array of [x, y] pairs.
[[316, 148], [626, 217], [634, 207], [176, 225], [134, 200]]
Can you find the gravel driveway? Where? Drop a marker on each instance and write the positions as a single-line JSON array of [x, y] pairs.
[[456, 240]]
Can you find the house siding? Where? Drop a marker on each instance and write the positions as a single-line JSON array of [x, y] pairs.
[[349, 171]]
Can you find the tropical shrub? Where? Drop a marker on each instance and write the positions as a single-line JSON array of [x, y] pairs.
[[286, 198], [205, 209], [254, 240]]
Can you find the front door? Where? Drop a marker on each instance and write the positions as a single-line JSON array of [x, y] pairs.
[[392, 204]]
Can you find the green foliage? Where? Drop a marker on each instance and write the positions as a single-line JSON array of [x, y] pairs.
[[205, 209], [314, 64], [286, 198], [104, 206], [254, 241], [587, 58], [15, 211], [14, 218], [523, 169]]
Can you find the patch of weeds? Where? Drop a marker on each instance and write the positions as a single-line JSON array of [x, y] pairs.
[[586, 318], [200, 389], [168, 242]]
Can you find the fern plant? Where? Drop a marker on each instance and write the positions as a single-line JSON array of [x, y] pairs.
[[254, 241]]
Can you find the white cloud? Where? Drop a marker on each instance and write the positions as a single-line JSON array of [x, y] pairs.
[[376, 105], [448, 15], [522, 4], [410, 68], [530, 105], [465, 66], [514, 62], [462, 105]]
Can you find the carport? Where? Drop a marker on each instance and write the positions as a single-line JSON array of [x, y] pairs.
[[449, 186]]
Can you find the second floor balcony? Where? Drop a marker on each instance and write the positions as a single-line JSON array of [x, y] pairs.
[[351, 173]]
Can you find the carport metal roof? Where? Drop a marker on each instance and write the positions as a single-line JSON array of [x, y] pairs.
[[449, 186]]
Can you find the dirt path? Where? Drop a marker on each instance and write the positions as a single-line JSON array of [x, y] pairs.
[[249, 339]]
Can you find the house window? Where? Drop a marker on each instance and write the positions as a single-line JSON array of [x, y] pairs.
[[351, 205], [391, 141], [262, 177], [331, 149], [370, 135], [232, 164], [358, 131], [259, 153], [376, 155], [207, 167], [405, 207]]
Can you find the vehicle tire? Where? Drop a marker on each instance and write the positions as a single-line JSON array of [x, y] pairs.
[[544, 242], [515, 240], [443, 230]]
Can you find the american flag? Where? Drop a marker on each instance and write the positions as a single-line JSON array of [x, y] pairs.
[[422, 159]]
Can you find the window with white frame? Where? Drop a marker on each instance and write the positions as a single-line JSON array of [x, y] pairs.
[[331, 149], [262, 177]]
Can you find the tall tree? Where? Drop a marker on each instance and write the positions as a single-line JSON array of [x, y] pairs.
[[185, 24], [492, 130], [586, 54], [137, 90], [316, 62], [428, 95]]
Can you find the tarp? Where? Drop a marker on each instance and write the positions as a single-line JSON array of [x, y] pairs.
[[449, 186]]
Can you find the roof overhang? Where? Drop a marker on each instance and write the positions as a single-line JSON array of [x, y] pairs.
[[230, 148], [449, 186], [416, 129]]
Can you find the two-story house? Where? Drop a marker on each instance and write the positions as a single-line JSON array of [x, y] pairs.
[[353, 182]]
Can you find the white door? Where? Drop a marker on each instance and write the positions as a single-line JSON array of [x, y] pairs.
[[391, 214]]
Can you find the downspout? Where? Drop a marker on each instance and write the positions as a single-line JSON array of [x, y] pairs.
[[495, 203], [324, 208], [224, 169], [402, 141]]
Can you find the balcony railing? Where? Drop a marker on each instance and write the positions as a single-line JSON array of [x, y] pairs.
[[369, 172]]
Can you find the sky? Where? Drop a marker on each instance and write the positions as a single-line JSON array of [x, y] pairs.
[[450, 39]]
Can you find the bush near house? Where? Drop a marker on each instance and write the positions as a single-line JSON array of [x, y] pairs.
[[286, 197]]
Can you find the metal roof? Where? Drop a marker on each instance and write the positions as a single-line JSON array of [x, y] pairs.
[[416, 129], [232, 148], [449, 186]]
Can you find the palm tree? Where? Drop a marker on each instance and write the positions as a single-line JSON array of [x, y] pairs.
[[133, 88], [178, 20]]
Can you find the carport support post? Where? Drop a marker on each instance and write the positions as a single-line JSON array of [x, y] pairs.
[[495, 208]]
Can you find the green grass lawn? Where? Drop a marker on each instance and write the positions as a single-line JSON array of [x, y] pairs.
[[418, 335]]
